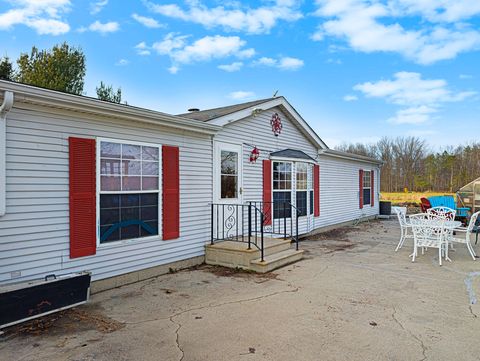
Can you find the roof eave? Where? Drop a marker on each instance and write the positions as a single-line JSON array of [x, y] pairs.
[[38, 96], [350, 156]]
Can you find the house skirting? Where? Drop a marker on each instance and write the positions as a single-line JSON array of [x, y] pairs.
[[339, 225], [144, 274]]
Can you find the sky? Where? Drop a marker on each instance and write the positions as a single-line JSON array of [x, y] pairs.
[[356, 70]]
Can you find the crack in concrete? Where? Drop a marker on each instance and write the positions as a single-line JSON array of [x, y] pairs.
[[471, 311], [177, 336], [422, 345], [179, 325], [212, 306]]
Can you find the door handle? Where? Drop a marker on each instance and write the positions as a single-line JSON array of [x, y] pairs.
[[241, 190]]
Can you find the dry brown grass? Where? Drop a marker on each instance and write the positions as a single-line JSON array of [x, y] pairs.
[[410, 197]]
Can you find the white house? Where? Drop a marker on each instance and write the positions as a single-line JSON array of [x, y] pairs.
[[126, 192]]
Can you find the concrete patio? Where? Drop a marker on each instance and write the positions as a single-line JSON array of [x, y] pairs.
[[351, 298]]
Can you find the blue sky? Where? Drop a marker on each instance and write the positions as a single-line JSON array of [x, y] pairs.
[[356, 70]]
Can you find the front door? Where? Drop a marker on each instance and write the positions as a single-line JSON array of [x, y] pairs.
[[229, 214]]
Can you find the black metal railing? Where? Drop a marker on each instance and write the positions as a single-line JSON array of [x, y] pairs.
[[280, 218], [250, 221]]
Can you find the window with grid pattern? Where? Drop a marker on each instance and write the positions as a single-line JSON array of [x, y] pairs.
[[129, 190], [367, 183]]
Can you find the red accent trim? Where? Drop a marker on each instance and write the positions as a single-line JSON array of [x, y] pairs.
[[82, 197], [360, 173], [171, 192], [372, 188], [267, 191], [316, 190]]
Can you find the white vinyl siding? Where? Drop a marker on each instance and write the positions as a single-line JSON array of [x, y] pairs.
[[339, 193], [34, 234]]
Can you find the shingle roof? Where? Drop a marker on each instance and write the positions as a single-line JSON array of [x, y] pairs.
[[291, 153], [209, 114]]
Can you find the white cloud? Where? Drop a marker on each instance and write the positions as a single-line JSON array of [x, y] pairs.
[[122, 62], [173, 69], [241, 95], [419, 98], [180, 51], [287, 63], [235, 66], [45, 17], [350, 98], [371, 26], [283, 63], [142, 49], [97, 6], [148, 22], [413, 115], [104, 28], [266, 61], [465, 76], [234, 16]]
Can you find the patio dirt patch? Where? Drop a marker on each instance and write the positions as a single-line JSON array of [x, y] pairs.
[[351, 298]]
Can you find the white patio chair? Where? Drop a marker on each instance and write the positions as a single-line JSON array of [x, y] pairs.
[[442, 212], [446, 213], [404, 225], [468, 232], [428, 232]]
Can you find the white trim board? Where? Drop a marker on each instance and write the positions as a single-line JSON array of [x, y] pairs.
[[280, 101]]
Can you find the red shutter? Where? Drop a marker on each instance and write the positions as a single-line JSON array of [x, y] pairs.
[[171, 192], [82, 197], [372, 189], [267, 191], [360, 182], [316, 190]]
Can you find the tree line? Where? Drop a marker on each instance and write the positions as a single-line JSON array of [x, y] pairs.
[[61, 68], [410, 163]]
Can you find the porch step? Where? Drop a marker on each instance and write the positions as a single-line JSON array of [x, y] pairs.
[[276, 260], [235, 254]]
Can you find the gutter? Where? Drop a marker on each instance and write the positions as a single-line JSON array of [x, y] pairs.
[[6, 106], [350, 156], [39, 96]]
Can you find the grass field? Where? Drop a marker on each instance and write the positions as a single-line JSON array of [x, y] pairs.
[[410, 197]]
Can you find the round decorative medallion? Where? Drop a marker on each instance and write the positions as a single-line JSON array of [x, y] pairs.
[[276, 124]]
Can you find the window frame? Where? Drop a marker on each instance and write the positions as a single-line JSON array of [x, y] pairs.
[[291, 190], [306, 189], [369, 178], [235, 175], [98, 192]]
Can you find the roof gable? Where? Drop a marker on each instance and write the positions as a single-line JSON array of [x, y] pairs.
[[226, 115]]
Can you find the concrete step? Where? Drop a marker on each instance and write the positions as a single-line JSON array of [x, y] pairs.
[[235, 254], [276, 260]]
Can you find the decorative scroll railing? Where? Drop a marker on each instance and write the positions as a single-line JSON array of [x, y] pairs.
[[250, 221]]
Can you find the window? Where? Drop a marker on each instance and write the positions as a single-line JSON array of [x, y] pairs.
[[302, 182], [229, 174], [282, 189], [366, 187], [129, 190]]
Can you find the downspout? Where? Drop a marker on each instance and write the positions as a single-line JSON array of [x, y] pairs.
[[4, 109]]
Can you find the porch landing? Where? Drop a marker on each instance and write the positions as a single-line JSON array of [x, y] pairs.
[[233, 254]]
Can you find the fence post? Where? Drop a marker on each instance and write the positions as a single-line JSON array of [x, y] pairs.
[[296, 231], [249, 225], [284, 220], [211, 224], [261, 239]]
